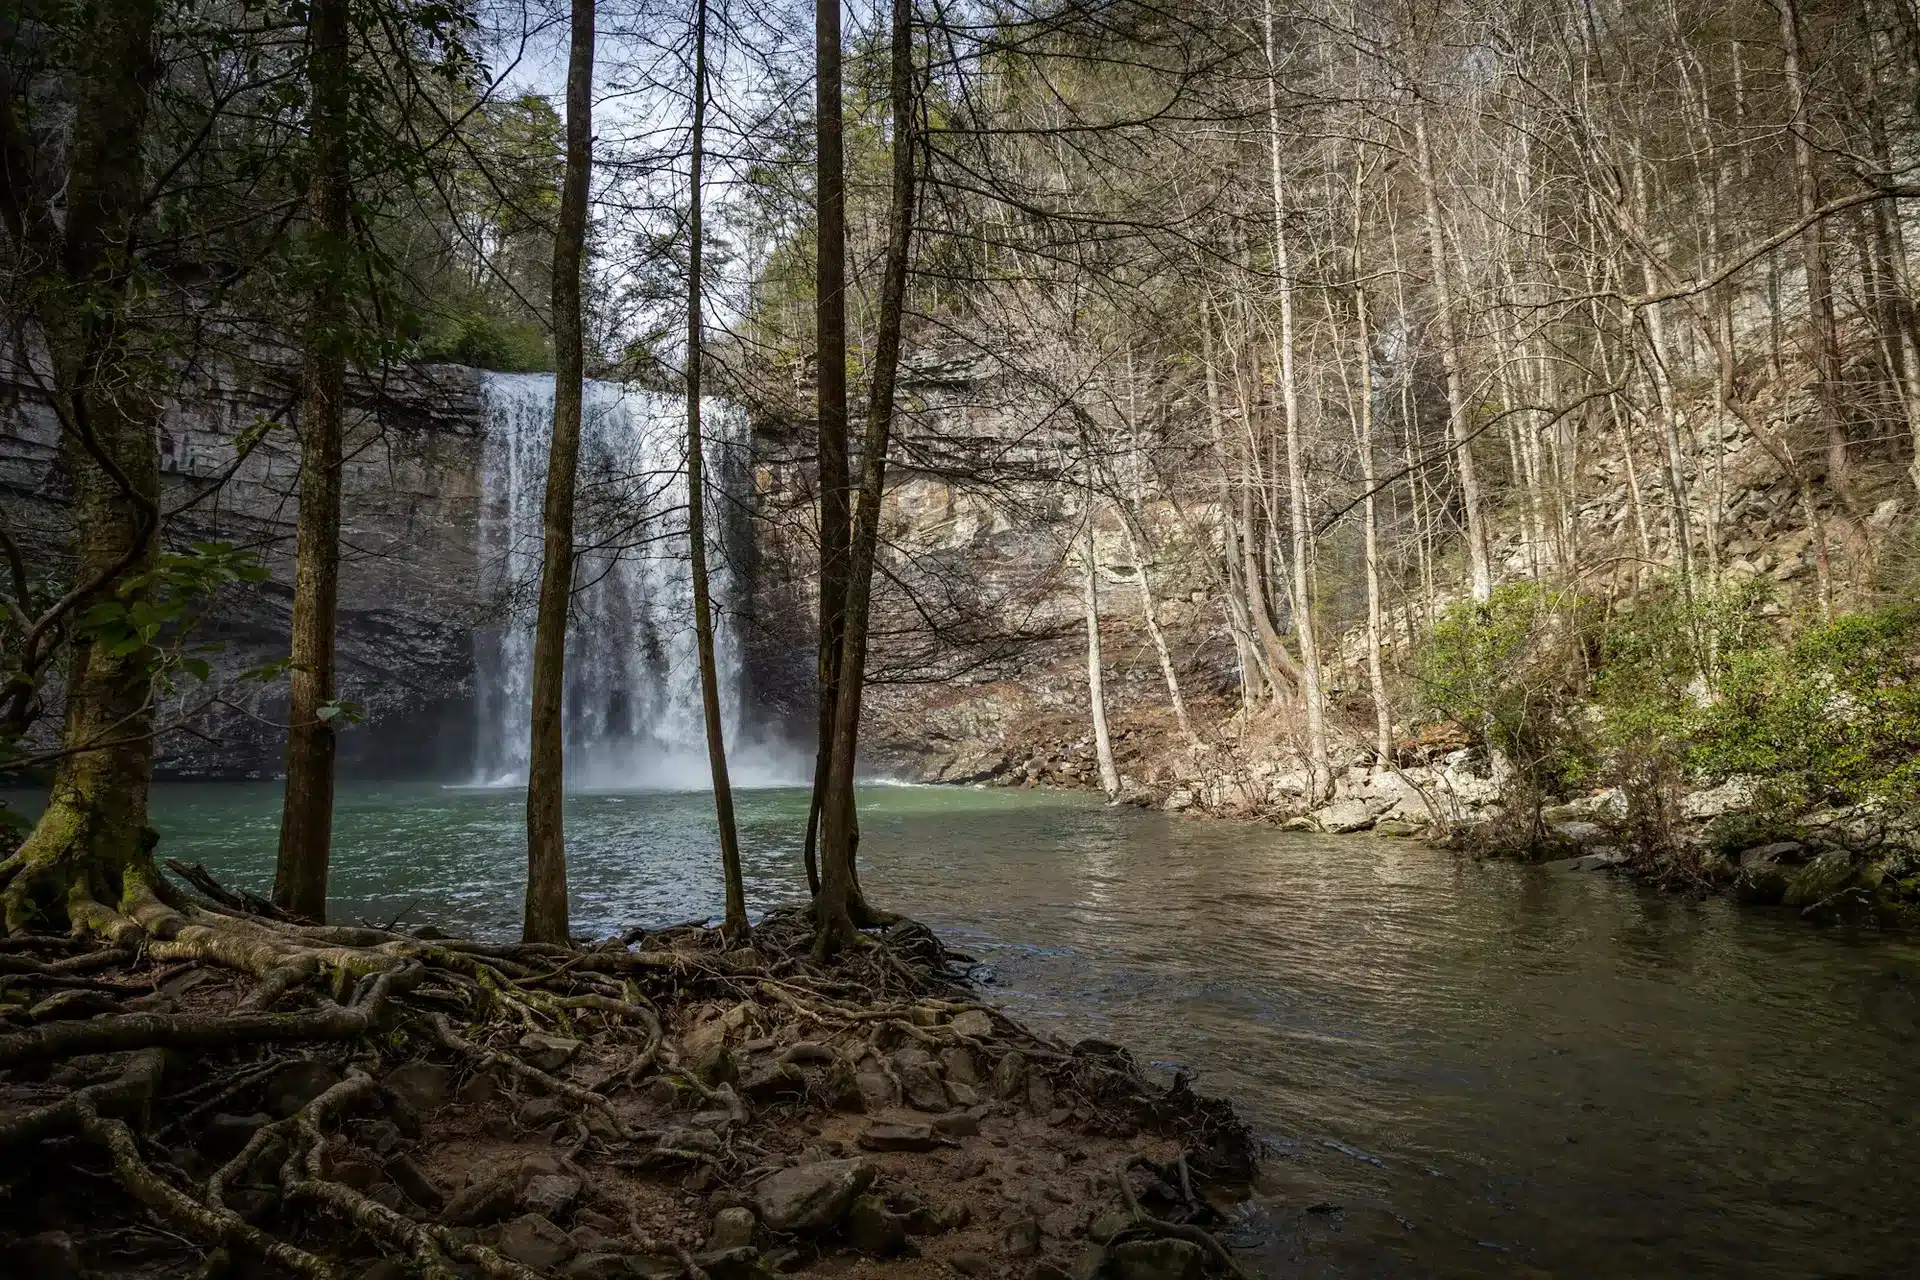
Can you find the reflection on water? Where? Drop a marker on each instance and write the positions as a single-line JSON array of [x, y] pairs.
[[1464, 1069]]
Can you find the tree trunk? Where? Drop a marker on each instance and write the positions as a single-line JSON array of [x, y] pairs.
[[1320, 769], [1252, 681], [90, 856], [1478, 557], [830, 361], [1137, 546], [1813, 249], [546, 907], [306, 815], [840, 907], [1370, 522], [1096, 684], [735, 925]]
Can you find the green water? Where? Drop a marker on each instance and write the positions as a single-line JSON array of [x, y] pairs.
[[1463, 1069]]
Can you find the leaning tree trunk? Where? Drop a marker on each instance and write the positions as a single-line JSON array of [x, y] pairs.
[[90, 856], [306, 815], [830, 374], [735, 926], [839, 906], [546, 907]]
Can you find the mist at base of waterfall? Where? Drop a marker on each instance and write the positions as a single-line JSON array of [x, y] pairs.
[[613, 768]]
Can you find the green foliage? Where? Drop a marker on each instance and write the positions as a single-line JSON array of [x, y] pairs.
[[1512, 673], [1832, 717]]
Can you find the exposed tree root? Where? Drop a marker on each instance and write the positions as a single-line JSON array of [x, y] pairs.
[[691, 1062]]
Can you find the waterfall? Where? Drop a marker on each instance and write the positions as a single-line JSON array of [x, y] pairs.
[[632, 708]]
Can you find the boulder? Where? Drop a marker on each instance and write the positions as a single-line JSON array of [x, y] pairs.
[[811, 1197], [1735, 795], [876, 1089], [1598, 860], [957, 1124], [1824, 876], [484, 1200], [538, 1113], [976, 1024], [922, 1087], [716, 1065], [424, 1086], [416, 1184], [547, 1053], [534, 1242], [884, 1136], [873, 1230], [733, 1228], [1765, 872], [1010, 1075], [1162, 1259], [1343, 816], [959, 1064], [1021, 1239], [550, 1194]]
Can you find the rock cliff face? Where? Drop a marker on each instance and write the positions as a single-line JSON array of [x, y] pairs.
[[409, 593]]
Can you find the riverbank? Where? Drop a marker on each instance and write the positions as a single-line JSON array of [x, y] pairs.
[[657, 1105]]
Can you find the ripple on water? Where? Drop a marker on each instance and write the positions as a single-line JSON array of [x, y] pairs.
[[1465, 1069]]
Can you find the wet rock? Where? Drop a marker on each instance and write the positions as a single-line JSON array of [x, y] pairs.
[[51, 1255], [732, 1229], [547, 1053], [417, 1184], [1163, 1259], [975, 1024], [1010, 1076], [885, 1136], [487, 1200], [957, 1124], [533, 1241], [1598, 860], [298, 1083], [424, 1086], [1580, 833], [538, 1113], [959, 1064], [1399, 828], [1021, 1239], [811, 1197], [550, 1194], [873, 1230]]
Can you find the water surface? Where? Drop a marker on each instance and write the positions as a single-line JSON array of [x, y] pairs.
[[1464, 1069]]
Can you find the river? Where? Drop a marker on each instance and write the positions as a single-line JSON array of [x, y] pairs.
[[1463, 1068]]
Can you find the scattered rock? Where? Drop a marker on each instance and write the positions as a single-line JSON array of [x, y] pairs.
[[975, 1024], [1598, 860], [538, 1113], [873, 1230], [1109, 1224], [384, 1269], [1398, 828], [424, 1086], [1021, 1239], [550, 1194], [811, 1197], [487, 1200], [547, 1053], [533, 1241], [1048, 1271], [355, 1171], [605, 1265], [716, 1065], [732, 1229], [959, 1064], [479, 1090], [1162, 1259], [774, 1080], [876, 1089], [922, 1086], [962, 1095], [226, 1134], [417, 1184], [886, 1136], [969, 1263], [1010, 1075], [1039, 1093], [298, 1083], [957, 1124]]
